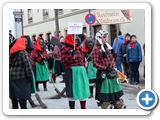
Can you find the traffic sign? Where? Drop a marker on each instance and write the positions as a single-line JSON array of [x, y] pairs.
[[90, 19]]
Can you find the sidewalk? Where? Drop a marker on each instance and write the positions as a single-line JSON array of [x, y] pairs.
[[139, 86]]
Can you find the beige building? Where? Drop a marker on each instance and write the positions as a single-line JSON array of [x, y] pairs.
[[41, 22]]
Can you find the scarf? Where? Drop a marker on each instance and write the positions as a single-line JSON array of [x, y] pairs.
[[18, 46], [84, 48], [37, 45], [70, 41], [132, 45]]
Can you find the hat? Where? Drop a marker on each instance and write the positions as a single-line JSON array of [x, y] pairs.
[[127, 35]]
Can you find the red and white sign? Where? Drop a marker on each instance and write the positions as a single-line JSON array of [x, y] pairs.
[[90, 19], [75, 28]]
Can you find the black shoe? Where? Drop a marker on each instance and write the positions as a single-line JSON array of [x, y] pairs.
[[45, 89], [91, 96]]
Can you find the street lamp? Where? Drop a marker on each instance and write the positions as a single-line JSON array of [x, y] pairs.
[[18, 17]]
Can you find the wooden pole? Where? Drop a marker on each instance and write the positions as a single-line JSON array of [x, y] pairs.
[[117, 29]]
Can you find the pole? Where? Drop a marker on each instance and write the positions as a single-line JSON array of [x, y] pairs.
[[22, 21], [90, 31]]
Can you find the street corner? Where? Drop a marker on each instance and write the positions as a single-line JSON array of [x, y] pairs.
[[147, 99]]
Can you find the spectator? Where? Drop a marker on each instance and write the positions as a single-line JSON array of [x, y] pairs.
[[134, 57], [126, 67], [120, 42]]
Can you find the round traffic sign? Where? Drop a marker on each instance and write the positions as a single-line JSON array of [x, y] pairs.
[[90, 19]]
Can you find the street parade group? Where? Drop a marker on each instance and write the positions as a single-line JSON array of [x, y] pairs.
[[85, 63]]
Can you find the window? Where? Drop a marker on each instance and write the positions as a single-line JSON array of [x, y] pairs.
[[30, 15], [45, 12], [48, 36], [66, 32], [84, 30], [41, 35], [33, 37]]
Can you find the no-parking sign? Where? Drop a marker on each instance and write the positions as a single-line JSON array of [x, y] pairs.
[[90, 19]]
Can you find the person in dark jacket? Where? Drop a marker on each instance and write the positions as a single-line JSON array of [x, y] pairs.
[[59, 68], [144, 55], [91, 71], [120, 42], [134, 57], [20, 74], [76, 80], [126, 67]]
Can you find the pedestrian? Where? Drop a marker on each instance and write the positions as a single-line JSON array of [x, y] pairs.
[[76, 80], [144, 63], [134, 57], [40, 56], [11, 38], [107, 89], [20, 74], [29, 49], [91, 71], [126, 67], [59, 67], [120, 42]]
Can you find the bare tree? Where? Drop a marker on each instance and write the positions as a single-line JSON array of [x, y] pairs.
[[56, 22]]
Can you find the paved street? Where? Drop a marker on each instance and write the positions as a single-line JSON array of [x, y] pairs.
[[129, 97]]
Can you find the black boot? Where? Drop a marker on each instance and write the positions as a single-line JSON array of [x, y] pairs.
[[23, 103], [91, 91], [72, 104]]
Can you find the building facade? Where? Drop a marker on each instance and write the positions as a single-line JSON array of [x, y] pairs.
[[41, 22]]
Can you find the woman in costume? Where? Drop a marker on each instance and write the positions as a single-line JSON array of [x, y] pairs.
[[91, 71], [58, 66], [40, 56], [20, 74], [76, 80], [107, 89]]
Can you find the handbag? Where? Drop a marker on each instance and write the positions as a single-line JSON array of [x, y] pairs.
[[111, 74]]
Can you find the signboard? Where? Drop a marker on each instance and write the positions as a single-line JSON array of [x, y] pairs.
[[90, 19], [75, 28], [114, 17]]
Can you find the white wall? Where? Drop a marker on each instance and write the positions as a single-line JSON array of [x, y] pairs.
[[12, 22]]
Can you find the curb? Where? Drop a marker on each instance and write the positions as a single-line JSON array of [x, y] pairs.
[[133, 86]]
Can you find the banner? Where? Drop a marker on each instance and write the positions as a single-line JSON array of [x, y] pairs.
[[114, 17], [75, 28]]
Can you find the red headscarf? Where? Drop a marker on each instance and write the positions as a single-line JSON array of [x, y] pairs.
[[70, 41], [37, 45], [84, 48], [18, 46]]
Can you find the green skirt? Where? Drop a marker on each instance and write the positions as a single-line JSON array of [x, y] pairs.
[[110, 86], [53, 69], [33, 84], [92, 71], [80, 85], [42, 73]]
